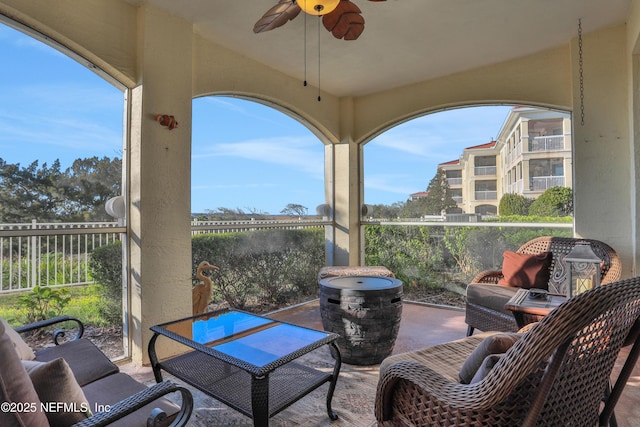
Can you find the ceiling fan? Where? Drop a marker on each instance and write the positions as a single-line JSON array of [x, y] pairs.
[[340, 17]]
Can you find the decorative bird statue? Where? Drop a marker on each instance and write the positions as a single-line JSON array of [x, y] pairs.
[[201, 293]]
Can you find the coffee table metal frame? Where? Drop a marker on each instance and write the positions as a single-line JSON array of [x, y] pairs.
[[258, 392]]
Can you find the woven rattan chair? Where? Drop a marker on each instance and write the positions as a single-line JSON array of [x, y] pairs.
[[486, 299], [556, 374]]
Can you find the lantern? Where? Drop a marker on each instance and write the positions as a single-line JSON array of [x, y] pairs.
[[583, 268]]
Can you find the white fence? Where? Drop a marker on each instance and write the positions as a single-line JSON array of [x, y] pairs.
[[57, 254], [52, 254]]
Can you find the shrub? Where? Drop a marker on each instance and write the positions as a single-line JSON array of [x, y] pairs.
[[555, 201], [106, 269], [267, 265], [514, 204], [43, 303]]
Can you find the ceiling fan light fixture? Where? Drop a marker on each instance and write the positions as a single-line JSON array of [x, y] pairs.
[[317, 7]]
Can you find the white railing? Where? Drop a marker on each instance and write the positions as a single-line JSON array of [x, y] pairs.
[[216, 227], [484, 170], [546, 143], [52, 254], [454, 182], [57, 254], [486, 195], [542, 183]]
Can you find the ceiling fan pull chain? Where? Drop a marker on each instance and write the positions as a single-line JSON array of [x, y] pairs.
[[580, 63], [319, 18], [305, 48]]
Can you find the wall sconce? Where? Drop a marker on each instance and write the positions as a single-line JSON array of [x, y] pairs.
[[583, 269], [167, 121]]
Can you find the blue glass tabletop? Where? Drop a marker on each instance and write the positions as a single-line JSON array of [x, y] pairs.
[[254, 339]]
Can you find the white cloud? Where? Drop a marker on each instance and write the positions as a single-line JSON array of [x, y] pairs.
[[302, 154]]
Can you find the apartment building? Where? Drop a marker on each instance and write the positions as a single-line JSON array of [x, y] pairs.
[[531, 154]]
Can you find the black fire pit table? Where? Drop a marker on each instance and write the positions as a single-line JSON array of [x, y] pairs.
[[365, 311]]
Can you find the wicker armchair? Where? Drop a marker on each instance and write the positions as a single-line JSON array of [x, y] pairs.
[[556, 374], [486, 299]]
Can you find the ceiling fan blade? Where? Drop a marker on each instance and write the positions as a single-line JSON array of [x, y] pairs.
[[345, 22], [277, 16]]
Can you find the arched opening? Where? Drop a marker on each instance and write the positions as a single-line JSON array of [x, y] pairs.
[[60, 162], [257, 180], [434, 186]]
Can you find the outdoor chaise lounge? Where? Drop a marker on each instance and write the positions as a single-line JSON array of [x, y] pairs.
[[57, 385], [486, 298], [556, 373]]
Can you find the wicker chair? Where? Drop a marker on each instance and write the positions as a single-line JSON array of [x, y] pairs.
[[556, 374], [486, 299]]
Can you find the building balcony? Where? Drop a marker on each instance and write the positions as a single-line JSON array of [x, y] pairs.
[[484, 170], [486, 195], [542, 183], [454, 182], [546, 143]]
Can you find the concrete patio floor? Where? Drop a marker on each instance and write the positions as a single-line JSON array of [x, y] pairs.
[[423, 325]]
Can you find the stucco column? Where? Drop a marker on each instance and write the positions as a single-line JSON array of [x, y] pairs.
[[159, 183], [347, 186], [602, 146]]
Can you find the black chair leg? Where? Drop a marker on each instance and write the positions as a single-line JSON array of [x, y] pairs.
[[470, 330]]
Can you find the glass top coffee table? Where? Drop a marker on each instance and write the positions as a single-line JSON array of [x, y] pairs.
[[246, 361]]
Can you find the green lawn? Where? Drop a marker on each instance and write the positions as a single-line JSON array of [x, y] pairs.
[[84, 305]]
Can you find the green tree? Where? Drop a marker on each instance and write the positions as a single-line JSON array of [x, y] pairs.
[[294, 210], [555, 201], [438, 199], [47, 194], [90, 183], [31, 193], [514, 204]]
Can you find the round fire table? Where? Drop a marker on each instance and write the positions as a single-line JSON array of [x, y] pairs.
[[365, 311]]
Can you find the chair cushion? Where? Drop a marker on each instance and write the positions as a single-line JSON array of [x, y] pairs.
[[57, 387], [490, 296], [487, 365], [16, 389], [86, 360], [493, 344], [22, 348], [526, 270]]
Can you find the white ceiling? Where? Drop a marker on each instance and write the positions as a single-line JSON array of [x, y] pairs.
[[404, 41]]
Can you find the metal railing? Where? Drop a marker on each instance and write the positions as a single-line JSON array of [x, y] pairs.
[[57, 254], [486, 195], [542, 183], [484, 170], [51, 254], [546, 143]]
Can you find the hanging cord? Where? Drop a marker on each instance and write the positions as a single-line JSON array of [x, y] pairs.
[[580, 63], [319, 18], [305, 49]]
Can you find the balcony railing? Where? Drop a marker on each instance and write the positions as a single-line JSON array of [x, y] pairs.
[[57, 254], [542, 183], [484, 170], [486, 195], [454, 182], [546, 143]]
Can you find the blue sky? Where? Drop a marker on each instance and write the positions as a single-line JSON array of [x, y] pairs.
[[244, 155]]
